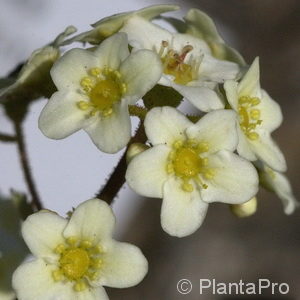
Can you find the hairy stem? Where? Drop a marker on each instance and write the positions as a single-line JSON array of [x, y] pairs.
[[7, 138], [35, 200], [117, 178]]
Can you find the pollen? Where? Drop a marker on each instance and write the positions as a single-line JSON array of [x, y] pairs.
[[103, 88], [79, 261], [188, 161], [249, 116], [174, 63]]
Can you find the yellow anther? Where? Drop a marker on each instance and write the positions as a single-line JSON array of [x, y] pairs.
[[187, 187], [86, 82], [107, 112], [209, 174], [93, 275], [255, 114], [57, 275], [203, 147], [123, 88], [117, 74], [99, 249], [177, 144], [255, 101], [80, 286], [83, 105], [72, 240], [172, 154], [86, 244], [60, 249], [244, 99], [95, 72], [253, 136], [97, 263], [205, 161]]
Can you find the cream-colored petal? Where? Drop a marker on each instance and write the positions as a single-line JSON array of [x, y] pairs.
[[235, 179], [113, 51], [124, 265], [33, 281], [140, 71], [271, 114], [61, 117], [244, 148], [68, 71], [92, 220], [182, 213], [231, 90], [217, 129], [212, 69], [147, 172], [42, 232], [112, 133], [268, 151], [201, 97], [279, 183], [249, 85], [165, 125], [143, 34]]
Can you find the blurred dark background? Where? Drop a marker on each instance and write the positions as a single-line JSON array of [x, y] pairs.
[[226, 248]]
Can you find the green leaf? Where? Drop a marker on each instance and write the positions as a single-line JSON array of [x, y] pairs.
[[161, 95]]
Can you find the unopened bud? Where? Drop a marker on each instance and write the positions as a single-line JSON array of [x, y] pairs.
[[246, 209]]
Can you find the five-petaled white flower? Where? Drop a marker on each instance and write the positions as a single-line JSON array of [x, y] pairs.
[[191, 165], [279, 184], [95, 89], [76, 257], [188, 66], [259, 115]]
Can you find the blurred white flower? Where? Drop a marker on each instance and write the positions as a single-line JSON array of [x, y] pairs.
[[280, 185], [188, 66], [259, 115], [76, 257], [191, 165], [95, 89]]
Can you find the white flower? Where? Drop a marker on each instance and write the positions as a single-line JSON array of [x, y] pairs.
[[76, 257], [95, 89], [191, 165], [188, 66], [280, 185], [259, 115]]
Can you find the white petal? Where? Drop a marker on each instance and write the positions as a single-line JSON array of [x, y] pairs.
[[235, 180], [218, 129], [147, 171], [124, 265], [141, 71], [33, 280], [165, 125], [231, 89], [112, 133], [216, 70], [249, 85], [143, 34], [113, 51], [181, 40], [68, 71], [42, 232], [182, 213], [201, 97], [61, 117], [270, 112], [279, 183], [268, 151], [92, 220], [244, 148]]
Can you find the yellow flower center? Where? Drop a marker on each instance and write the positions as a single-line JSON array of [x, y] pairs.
[[189, 162], [79, 261], [74, 263], [104, 88], [173, 64], [249, 116]]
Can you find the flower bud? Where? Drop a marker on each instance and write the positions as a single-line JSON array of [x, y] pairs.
[[246, 209]]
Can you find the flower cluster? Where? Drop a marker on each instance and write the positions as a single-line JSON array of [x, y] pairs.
[[219, 154]]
